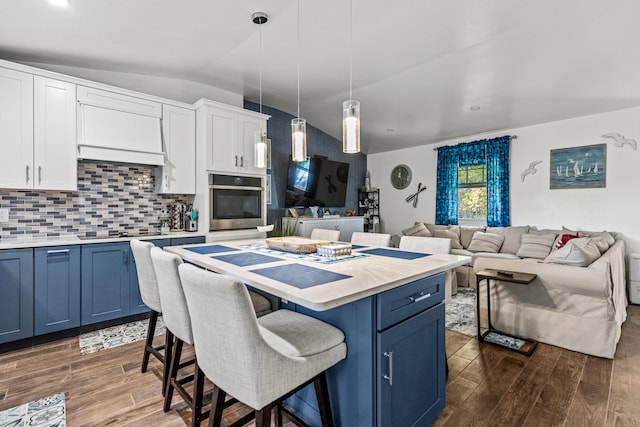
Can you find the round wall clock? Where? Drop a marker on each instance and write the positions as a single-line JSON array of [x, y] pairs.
[[401, 177]]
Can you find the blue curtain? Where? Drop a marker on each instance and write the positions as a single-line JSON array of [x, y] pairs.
[[498, 182], [447, 186], [495, 152]]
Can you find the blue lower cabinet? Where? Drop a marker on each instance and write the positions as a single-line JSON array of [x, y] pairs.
[[137, 305], [177, 241], [411, 382], [57, 289], [16, 294], [106, 281]]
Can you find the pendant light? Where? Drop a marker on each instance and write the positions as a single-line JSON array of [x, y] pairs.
[[351, 108], [298, 125], [260, 136]]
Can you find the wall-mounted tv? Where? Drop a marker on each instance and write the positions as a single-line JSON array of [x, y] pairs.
[[317, 182]]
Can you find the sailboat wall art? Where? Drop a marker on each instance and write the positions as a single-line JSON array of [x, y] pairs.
[[579, 167]]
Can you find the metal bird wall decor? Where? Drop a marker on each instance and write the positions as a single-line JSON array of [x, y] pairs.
[[621, 141], [530, 170]]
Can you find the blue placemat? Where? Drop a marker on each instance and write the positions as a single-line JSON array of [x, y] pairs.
[[244, 259], [300, 276], [394, 253], [358, 246], [211, 249]]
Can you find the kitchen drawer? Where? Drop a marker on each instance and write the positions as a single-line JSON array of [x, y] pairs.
[[178, 241], [396, 305]]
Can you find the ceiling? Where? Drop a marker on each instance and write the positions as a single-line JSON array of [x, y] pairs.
[[418, 65]]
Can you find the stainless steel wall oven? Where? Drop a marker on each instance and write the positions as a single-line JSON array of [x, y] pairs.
[[235, 202]]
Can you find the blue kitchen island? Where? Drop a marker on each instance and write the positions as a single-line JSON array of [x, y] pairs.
[[388, 302]]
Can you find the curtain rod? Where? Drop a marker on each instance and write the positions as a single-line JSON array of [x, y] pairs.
[[512, 137]]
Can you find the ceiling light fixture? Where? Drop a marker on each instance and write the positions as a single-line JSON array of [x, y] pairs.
[[260, 136], [298, 125], [351, 108]]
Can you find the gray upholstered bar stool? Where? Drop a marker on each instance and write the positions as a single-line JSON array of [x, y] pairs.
[[371, 239], [179, 332], [258, 361], [151, 297]]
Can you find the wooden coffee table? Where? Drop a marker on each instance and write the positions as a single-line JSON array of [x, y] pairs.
[[514, 277]]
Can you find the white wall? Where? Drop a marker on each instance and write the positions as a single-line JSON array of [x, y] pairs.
[[614, 208]]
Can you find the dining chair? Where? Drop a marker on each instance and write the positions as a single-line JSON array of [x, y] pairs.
[[433, 245], [179, 332], [325, 234], [151, 297], [259, 361], [371, 239]]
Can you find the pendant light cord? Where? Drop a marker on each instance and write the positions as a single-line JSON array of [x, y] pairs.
[[298, 50], [260, 67], [350, 50]]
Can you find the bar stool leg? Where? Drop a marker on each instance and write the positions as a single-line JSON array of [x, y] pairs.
[[324, 405], [217, 406], [168, 350], [198, 392], [176, 352], [149, 342]]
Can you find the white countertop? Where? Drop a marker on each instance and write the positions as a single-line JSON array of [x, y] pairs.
[[369, 275], [36, 242]]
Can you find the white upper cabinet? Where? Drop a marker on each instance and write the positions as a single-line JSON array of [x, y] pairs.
[[118, 127], [54, 155], [16, 129], [229, 137], [37, 132], [177, 175]]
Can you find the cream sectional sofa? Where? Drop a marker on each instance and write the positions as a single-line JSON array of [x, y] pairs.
[[578, 300]]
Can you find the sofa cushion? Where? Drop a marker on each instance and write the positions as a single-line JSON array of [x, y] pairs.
[[418, 229], [486, 242], [536, 245], [511, 235], [466, 234], [603, 240], [578, 252], [450, 234], [433, 227]]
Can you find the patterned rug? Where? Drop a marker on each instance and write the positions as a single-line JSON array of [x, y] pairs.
[[46, 412], [460, 317], [115, 336]]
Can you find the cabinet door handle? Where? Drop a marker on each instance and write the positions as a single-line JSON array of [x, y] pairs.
[[39, 174], [27, 172], [419, 297], [241, 161], [236, 160], [58, 252], [166, 181], [125, 257], [389, 376]]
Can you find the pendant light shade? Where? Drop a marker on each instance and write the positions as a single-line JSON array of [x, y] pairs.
[[351, 126], [299, 139], [351, 108], [260, 137], [298, 125], [260, 149]]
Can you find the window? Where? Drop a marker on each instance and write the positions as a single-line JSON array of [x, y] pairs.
[[472, 192]]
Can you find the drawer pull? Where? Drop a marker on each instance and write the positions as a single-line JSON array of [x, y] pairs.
[[420, 297], [58, 252], [389, 377]]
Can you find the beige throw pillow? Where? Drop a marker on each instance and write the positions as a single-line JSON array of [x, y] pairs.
[[418, 229], [603, 240], [511, 235], [578, 252], [536, 245], [486, 242], [449, 234], [466, 234]]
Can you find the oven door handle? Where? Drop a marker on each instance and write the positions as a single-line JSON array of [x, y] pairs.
[[234, 187]]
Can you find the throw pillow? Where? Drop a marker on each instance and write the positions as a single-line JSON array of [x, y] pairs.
[[448, 234], [536, 245], [563, 239], [433, 227], [603, 240], [466, 234], [486, 242], [512, 236], [578, 252], [418, 229]]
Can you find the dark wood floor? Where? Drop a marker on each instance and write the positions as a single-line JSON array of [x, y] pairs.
[[487, 386]]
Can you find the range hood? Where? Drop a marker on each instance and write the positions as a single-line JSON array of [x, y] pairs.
[[119, 128]]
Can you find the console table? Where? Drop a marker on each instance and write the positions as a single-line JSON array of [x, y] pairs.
[[388, 302], [347, 225], [509, 277]]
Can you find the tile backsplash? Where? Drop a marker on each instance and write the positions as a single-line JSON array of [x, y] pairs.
[[111, 198]]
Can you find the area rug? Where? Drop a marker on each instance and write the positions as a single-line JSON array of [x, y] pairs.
[[46, 412], [115, 336], [460, 317]]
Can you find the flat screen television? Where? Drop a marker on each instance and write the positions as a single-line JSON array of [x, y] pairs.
[[317, 182]]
